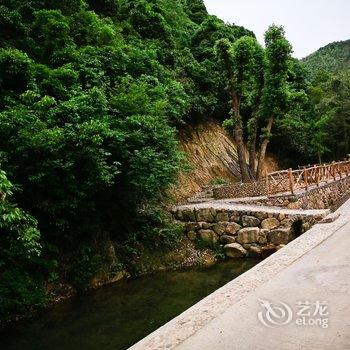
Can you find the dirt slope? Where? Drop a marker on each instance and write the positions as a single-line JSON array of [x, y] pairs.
[[212, 155]]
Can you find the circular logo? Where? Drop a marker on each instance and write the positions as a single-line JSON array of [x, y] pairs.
[[274, 315]]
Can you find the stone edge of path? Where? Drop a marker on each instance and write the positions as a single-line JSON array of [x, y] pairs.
[[226, 205], [177, 330]]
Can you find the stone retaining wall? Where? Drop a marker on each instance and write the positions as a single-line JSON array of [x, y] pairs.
[[322, 197], [244, 233], [239, 190]]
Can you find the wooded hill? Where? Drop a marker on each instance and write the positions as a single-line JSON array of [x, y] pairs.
[[328, 71], [92, 96]]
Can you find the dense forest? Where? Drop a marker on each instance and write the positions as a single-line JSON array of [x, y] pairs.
[[328, 71], [92, 95]]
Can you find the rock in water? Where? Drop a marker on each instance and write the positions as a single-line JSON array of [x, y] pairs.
[[234, 250], [226, 239], [279, 236]]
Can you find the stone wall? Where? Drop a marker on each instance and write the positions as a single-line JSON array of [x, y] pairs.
[[239, 190], [244, 233], [322, 197]]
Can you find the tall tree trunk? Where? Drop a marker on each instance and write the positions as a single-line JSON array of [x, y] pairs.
[[263, 148], [237, 120], [241, 153], [245, 177], [252, 147]]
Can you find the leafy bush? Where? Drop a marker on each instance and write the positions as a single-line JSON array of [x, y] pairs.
[[85, 265], [20, 287]]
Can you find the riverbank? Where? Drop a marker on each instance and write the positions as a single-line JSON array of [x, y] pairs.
[[116, 316], [185, 254]]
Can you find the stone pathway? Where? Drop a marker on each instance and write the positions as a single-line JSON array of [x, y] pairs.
[[231, 204]]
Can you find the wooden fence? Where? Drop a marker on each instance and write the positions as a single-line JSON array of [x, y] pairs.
[[291, 181]]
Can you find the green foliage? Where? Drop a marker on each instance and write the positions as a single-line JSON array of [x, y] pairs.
[[155, 230], [20, 289], [92, 94], [15, 71], [218, 181], [84, 266], [328, 71], [332, 58], [275, 93]]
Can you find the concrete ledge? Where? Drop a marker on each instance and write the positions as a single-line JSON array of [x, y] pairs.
[[189, 322]]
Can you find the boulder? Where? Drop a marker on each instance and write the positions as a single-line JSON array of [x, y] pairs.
[[179, 215], [261, 215], [254, 251], [206, 214], [234, 250], [268, 250], [295, 205], [270, 223], [192, 226], [248, 235], [208, 236], [306, 226], [206, 225], [226, 239], [192, 235], [188, 215], [281, 216], [235, 217], [287, 222], [232, 228], [279, 236], [250, 221], [222, 217], [263, 236], [219, 229]]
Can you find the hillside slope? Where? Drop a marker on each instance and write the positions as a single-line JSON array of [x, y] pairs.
[[212, 155], [329, 74], [332, 58]]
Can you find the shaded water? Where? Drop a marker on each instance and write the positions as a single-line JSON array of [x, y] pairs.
[[117, 316]]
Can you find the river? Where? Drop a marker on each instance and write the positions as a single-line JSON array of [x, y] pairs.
[[116, 316]]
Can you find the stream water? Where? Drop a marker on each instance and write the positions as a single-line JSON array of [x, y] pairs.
[[117, 316]]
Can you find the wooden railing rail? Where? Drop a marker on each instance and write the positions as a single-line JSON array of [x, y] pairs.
[[305, 177]]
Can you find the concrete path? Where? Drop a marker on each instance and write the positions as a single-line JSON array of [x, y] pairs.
[[313, 268], [321, 275]]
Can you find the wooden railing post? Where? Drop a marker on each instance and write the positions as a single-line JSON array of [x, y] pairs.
[[291, 180], [276, 182], [267, 185], [341, 170], [306, 178]]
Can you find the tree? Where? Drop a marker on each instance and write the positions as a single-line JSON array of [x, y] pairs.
[[19, 251], [274, 94], [240, 61]]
